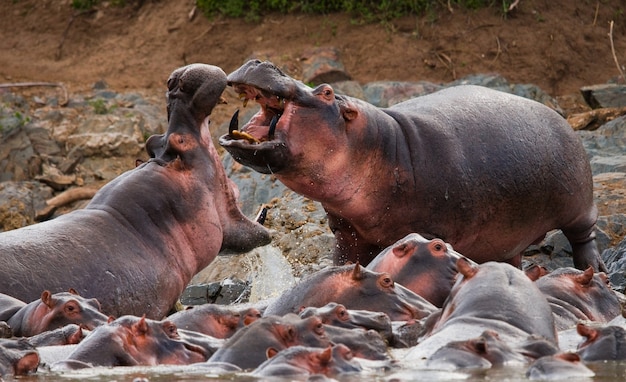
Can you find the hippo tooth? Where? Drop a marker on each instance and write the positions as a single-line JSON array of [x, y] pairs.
[[273, 122], [281, 102], [234, 122]]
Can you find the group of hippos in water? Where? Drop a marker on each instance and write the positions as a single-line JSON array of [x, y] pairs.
[[431, 201]]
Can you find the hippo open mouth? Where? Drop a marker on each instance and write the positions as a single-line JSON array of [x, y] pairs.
[[260, 143]]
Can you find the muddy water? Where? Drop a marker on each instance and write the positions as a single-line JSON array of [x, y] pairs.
[[605, 371]]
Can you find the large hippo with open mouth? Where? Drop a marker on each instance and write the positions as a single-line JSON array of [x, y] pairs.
[[145, 234], [486, 171]]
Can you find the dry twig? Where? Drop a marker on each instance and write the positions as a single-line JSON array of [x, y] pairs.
[[595, 16], [619, 68]]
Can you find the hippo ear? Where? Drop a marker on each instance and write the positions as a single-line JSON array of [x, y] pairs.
[[73, 291], [270, 352], [46, 298], [465, 268], [534, 272], [586, 331], [325, 356], [357, 273], [110, 319], [141, 327], [568, 356], [348, 112], [585, 277]]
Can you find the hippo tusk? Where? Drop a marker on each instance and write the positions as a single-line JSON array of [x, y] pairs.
[[273, 122], [262, 215], [234, 122]]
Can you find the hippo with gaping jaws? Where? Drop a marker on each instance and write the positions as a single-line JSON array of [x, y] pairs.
[[486, 171], [145, 234]]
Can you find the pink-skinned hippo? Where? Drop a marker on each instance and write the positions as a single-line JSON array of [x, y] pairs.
[[354, 287], [53, 311], [338, 315], [576, 295], [219, 321], [248, 347], [302, 361], [427, 267], [145, 234], [486, 171], [133, 341], [492, 296]]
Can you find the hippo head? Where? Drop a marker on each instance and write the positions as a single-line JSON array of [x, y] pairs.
[[186, 150], [267, 143]]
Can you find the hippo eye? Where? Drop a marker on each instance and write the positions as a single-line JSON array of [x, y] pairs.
[[71, 307], [342, 314], [386, 281], [171, 329], [319, 329], [438, 246]]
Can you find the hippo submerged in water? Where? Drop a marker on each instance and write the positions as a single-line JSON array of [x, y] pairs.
[[143, 236], [486, 171]]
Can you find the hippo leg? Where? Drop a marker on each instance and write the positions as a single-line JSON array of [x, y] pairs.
[[582, 238]]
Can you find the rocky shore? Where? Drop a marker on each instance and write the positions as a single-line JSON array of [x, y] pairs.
[[56, 150]]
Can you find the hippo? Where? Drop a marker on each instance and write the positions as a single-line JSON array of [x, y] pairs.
[[303, 361], [486, 171], [426, 267], [337, 315], [560, 366], [17, 357], [601, 342], [248, 347], [133, 341], [487, 351], [70, 334], [356, 288], [218, 321], [366, 344], [576, 295], [53, 311], [146, 233], [492, 296]]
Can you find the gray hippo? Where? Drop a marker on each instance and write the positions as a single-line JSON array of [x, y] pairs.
[[143, 236], [426, 267], [490, 296], [486, 171], [576, 295]]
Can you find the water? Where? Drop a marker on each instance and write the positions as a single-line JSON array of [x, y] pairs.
[[605, 372]]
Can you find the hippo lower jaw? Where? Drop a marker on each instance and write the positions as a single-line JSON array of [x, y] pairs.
[[258, 145]]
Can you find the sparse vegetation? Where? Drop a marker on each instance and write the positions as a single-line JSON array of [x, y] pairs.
[[366, 10]]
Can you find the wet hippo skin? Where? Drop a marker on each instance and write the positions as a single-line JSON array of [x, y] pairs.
[[486, 171], [143, 236]]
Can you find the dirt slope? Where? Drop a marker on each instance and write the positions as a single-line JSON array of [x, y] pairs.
[[559, 45]]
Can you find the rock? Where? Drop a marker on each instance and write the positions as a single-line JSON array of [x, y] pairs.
[[20, 201], [609, 140], [322, 65], [604, 95], [388, 93]]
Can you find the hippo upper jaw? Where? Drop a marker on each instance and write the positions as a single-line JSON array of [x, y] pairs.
[[260, 144]]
